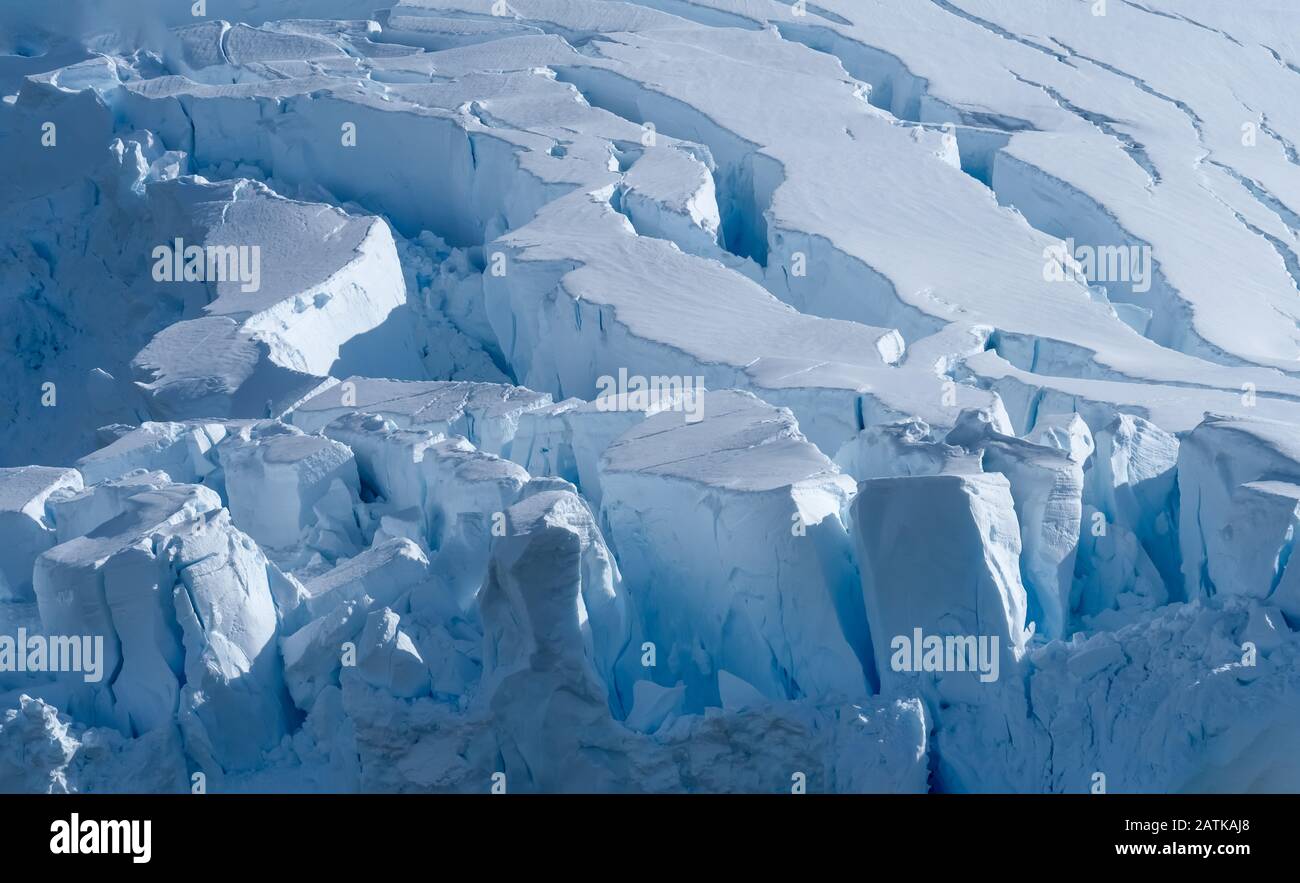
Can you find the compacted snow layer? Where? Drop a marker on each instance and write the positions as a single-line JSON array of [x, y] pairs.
[[649, 395]]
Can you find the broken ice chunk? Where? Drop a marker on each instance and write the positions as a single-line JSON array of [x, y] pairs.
[[79, 513], [653, 705], [170, 566], [485, 413], [729, 535], [1114, 577], [1069, 432], [460, 492], [669, 194], [382, 573], [387, 658], [179, 449], [1047, 487], [45, 752], [273, 481], [560, 520], [233, 706], [25, 525], [906, 447], [939, 557], [234, 377], [1131, 481], [737, 694], [314, 653], [116, 583], [1239, 498], [567, 439], [296, 291]]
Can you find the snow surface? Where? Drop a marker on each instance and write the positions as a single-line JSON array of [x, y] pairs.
[[602, 392]]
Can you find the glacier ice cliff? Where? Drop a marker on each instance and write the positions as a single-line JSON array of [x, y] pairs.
[[649, 396]]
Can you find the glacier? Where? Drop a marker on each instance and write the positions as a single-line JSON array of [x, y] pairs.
[[640, 396]]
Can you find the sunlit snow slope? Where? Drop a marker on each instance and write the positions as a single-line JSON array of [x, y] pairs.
[[660, 395]]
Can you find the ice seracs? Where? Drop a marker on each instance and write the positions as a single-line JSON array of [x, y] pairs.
[[382, 573], [971, 592], [670, 194], [1047, 487], [25, 519], [334, 335], [487, 414], [542, 682], [225, 607], [184, 602], [442, 491], [1133, 483], [550, 540], [729, 536], [274, 478], [179, 449], [301, 317], [1237, 507]]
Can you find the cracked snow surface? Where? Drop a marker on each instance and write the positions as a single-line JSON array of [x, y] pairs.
[[661, 395]]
